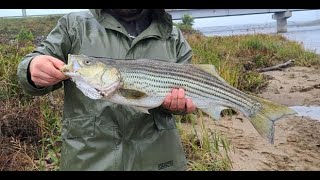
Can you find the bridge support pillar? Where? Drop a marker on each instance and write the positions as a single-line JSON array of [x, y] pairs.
[[281, 18], [24, 12]]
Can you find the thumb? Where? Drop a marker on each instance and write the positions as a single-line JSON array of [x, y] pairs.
[[57, 63]]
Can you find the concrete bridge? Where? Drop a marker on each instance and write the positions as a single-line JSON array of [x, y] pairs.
[[280, 15]]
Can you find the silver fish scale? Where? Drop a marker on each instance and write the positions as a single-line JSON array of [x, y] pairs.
[[158, 78], [208, 91]]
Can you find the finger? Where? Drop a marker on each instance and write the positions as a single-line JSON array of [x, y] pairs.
[[44, 82], [41, 82], [167, 101], [44, 76], [181, 102], [57, 63], [53, 72], [174, 100], [190, 106]]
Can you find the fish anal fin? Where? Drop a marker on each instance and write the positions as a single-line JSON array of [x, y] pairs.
[[214, 111], [141, 109]]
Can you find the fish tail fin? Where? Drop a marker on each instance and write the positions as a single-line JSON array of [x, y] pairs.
[[264, 119]]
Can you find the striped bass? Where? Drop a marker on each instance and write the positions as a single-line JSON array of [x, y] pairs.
[[144, 84]]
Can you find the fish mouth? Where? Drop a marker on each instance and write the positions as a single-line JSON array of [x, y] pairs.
[[76, 66], [73, 67]]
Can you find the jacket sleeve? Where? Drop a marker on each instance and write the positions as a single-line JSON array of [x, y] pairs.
[[58, 45], [183, 49]]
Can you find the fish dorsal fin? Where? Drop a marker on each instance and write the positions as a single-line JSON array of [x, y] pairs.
[[209, 68], [132, 94]]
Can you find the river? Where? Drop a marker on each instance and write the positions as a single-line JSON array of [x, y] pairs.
[[307, 35]]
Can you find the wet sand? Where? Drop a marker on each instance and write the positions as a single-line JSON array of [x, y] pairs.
[[297, 139]]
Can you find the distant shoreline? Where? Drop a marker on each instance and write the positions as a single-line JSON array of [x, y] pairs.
[[306, 35], [259, 27]]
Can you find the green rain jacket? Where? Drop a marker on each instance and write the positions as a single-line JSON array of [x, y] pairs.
[[97, 134]]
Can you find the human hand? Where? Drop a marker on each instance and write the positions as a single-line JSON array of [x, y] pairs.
[[45, 71], [176, 102]]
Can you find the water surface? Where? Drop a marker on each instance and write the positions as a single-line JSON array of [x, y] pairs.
[[311, 111]]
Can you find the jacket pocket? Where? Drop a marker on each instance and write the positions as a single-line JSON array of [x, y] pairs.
[[79, 126], [164, 121]]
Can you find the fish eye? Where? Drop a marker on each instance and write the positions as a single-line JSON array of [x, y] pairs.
[[87, 62]]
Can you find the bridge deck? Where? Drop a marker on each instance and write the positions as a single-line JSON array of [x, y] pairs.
[[177, 14]]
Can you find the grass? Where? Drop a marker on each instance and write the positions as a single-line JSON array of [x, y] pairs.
[[51, 130], [30, 127], [39, 26], [10, 56], [238, 57], [206, 150]]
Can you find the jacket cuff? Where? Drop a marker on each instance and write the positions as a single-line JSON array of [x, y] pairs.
[[29, 77], [171, 112]]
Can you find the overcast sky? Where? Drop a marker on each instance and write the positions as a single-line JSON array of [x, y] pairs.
[[204, 22]]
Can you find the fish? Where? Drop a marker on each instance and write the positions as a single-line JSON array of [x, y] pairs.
[[143, 84]]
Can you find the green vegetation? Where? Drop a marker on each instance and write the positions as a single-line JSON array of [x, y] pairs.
[[238, 57], [37, 25], [186, 25], [30, 126], [206, 149], [187, 20], [24, 36]]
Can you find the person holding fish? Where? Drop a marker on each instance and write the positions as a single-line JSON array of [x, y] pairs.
[[98, 134]]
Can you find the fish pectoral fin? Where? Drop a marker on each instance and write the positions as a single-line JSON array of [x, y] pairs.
[[214, 111], [209, 68], [132, 94], [141, 109]]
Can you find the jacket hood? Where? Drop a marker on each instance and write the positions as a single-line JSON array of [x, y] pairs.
[[96, 13], [164, 19]]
